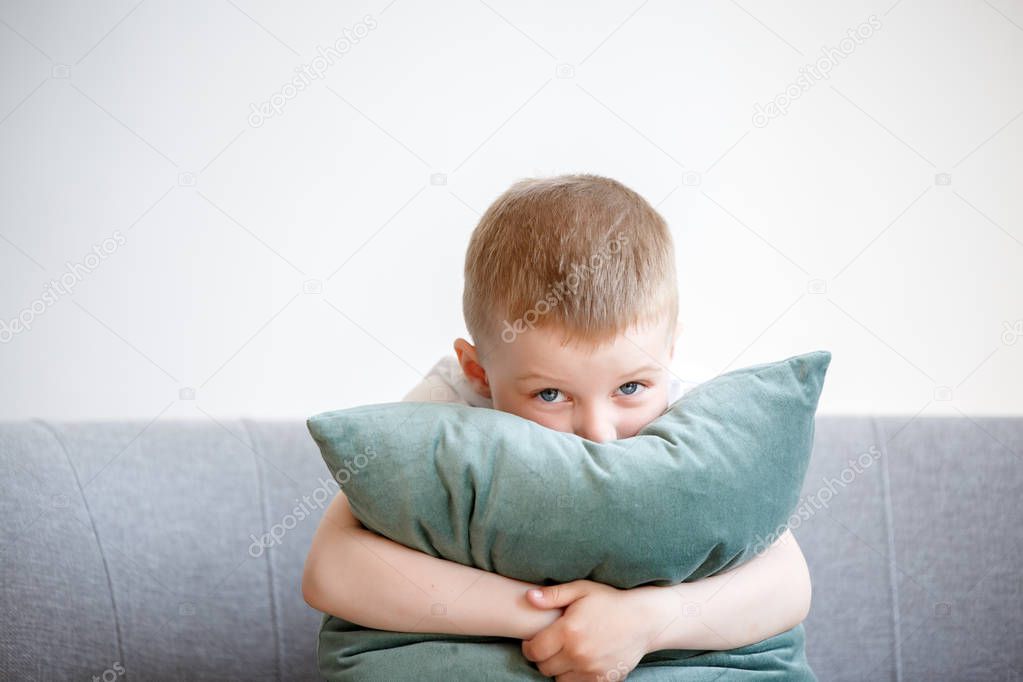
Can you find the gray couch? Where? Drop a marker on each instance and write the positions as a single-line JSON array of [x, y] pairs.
[[174, 549]]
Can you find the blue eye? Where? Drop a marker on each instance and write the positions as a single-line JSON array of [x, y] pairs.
[[629, 388], [548, 395]]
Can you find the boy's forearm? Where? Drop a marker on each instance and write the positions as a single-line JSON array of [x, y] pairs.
[[360, 576], [750, 603]]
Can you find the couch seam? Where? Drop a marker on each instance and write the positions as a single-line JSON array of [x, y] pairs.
[[889, 528], [55, 431], [264, 512]]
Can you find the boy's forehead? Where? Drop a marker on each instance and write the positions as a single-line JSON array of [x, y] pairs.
[[543, 351]]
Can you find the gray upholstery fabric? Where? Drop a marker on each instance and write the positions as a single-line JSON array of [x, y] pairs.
[[127, 549]]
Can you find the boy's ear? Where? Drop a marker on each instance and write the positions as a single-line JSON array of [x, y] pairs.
[[468, 359]]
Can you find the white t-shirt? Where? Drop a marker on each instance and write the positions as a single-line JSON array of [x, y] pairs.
[[446, 383]]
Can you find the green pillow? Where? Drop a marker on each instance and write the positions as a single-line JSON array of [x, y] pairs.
[[697, 491]]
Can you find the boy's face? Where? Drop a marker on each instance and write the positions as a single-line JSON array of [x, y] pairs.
[[601, 394]]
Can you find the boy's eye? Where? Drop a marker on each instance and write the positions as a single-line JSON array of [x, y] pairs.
[[548, 395], [630, 388]]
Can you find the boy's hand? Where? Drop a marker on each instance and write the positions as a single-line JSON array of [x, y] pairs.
[[600, 637]]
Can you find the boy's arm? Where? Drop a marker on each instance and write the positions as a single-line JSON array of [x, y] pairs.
[[747, 604], [360, 576]]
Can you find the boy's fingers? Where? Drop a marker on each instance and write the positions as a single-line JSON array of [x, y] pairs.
[[546, 644], [558, 664], [555, 596], [575, 677], [535, 597]]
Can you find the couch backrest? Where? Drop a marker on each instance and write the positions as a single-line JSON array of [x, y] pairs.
[[174, 549]]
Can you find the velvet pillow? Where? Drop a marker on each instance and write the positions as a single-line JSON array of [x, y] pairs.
[[699, 490]]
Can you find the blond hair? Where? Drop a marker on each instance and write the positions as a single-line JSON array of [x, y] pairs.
[[580, 252]]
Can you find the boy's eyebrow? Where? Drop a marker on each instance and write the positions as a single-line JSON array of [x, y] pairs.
[[652, 367], [535, 375], [645, 368]]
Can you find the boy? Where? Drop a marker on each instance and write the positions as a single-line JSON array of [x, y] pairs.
[[571, 299]]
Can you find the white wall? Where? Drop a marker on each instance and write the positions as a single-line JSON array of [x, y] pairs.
[[824, 228]]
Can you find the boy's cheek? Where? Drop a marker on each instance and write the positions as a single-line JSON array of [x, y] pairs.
[[557, 422], [653, 407], [522, 408]]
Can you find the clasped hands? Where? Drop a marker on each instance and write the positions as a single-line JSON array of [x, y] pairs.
[[601, 635]]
